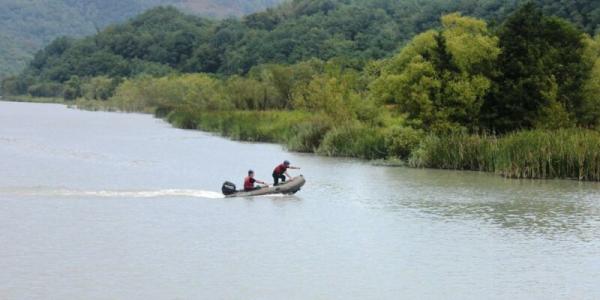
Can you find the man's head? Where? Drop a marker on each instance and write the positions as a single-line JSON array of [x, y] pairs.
[[251, 173], [286, 163]]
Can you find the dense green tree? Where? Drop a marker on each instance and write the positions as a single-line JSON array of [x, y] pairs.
[[13, 86], [590, 108], [541, 67], [358, 30], [440, 79], [25, 26], [72, 88], [248, 93], [45, 89], [99, 88]]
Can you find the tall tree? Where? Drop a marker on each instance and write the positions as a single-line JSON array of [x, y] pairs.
[[541, 72], [440, 79]]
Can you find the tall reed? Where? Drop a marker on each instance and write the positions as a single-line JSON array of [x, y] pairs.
[[457, 152], [565, 153], [263, 126]]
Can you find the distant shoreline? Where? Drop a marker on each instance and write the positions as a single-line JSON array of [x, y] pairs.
[[535, 154]]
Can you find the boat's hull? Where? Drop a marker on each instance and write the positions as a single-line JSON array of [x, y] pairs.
[[287, 188]]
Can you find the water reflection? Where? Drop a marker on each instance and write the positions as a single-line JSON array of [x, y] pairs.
[[548, 208]]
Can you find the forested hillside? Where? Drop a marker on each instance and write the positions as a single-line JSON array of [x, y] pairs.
[[26, 26], [354, 30]]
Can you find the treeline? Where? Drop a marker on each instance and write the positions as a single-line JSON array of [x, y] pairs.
[[534, 71], [165, 40], [27, 26]]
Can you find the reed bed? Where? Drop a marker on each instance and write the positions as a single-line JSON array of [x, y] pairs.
[[263, 126], [536, 154], [299, 131], [456, 152], [567, 153]]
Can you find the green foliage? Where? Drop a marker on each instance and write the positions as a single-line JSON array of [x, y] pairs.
[[401, 141], [309, 134], [329, 95], [46, 89], [25, 26], [550, 154], [565, 153], [72, 88], [590, 109], [440, 78], [12, 86], [162, 40], [266, 126], [354, 141], [541, 66], [99, 88], [457, 152], [191, 92], [283, 81]]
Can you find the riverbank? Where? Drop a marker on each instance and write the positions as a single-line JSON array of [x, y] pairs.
[[31, 99], [534, 154]]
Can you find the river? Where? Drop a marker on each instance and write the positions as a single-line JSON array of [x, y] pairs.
[[97, 205]]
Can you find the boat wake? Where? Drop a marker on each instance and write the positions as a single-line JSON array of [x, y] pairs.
[[190, 193]]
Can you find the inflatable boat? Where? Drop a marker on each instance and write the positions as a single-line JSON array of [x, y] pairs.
[[286, 188]]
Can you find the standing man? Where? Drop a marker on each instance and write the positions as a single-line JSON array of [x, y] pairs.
[[280, 172], [249, 182]]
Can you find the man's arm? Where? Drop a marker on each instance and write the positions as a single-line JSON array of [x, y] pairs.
[[294, 168]]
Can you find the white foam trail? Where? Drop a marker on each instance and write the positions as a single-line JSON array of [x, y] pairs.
[[119, 194], [276, 196]]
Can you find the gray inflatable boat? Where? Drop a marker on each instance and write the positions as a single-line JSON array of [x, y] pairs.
[[287, 188]]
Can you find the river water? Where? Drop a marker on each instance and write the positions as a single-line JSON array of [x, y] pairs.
[[98, 205]]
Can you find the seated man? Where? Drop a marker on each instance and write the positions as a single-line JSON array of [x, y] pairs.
[[249, 182], [281, 170]]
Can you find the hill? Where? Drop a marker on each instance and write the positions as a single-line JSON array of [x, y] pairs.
[[163, 40], [26, 26]]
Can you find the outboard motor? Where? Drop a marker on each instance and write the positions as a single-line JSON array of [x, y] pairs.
[[228, 188]]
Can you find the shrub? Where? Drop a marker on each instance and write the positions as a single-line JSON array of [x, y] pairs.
[[264, 126], [99, 88], [308, 135], [401, 141], [354, 141], [46, 89]]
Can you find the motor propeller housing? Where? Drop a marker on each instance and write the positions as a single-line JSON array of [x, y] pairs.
[[228, 188]]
